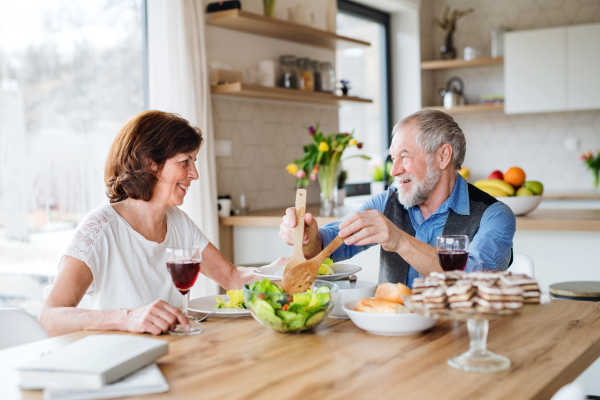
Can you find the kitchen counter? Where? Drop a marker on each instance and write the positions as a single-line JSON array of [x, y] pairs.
[[540, 219], [570, 195], [237, 358]]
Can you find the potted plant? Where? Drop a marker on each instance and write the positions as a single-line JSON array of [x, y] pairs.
[[321, 161], [593, 163], [381, 176]]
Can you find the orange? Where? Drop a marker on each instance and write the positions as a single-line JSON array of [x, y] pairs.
[[514, 176]]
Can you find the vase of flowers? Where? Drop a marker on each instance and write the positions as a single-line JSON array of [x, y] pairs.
[[593, 163], [321, 161]]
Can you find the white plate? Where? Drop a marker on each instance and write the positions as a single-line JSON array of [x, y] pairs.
[[388, 324], [339, 271], [207, 304]]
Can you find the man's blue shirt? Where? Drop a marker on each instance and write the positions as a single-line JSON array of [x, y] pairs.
[[489, 250]]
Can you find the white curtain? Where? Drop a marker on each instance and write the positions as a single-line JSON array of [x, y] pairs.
[[179, 82]]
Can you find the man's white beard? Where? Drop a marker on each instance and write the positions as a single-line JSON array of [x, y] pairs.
[[420, 189]]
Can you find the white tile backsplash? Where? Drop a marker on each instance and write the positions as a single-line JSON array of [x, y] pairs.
[[266, 136], [534, 142]]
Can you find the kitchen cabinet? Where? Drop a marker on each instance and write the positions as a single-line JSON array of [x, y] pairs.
[[583, 66], [535, 71], [552, 69]]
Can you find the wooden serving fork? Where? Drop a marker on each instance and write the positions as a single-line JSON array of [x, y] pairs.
[[297, 256]]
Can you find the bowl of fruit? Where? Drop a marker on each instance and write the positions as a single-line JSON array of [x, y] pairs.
[[283, 312], [512, 189]]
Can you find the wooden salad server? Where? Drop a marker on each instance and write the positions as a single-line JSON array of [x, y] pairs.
[[297, 256], [300, 278]]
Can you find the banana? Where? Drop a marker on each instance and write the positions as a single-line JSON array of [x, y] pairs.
[[494, 191], [496, 183]]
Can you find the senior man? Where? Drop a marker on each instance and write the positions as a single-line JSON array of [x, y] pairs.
[[432, 199]]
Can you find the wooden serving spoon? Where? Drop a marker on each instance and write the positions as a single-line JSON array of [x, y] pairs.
[[297, 256], [300, 278]]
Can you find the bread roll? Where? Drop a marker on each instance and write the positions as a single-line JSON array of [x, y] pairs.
[[380, 307], [392, 292]]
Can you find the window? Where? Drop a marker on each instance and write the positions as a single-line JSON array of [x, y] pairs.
[[368, 70], [71, 75]]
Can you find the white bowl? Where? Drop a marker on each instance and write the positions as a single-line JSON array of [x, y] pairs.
[[347, 292], [388, 324], [521, 205]]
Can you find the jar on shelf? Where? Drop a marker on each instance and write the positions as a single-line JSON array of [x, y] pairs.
[[328, 81], [305, 75], [316, 67], [288, 72]]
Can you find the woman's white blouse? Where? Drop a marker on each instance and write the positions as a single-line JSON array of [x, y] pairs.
[[129, 270]]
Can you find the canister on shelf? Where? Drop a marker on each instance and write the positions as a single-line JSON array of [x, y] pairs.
[[327, 77], [305, 75], [317, 75], [288, 72]]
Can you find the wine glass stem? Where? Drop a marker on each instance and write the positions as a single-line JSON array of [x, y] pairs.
[[478, 331], [185, 310]]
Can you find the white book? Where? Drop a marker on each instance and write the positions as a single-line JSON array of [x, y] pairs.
[[145, 381], [92, 362]]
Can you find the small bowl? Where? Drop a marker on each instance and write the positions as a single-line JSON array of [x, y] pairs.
[[521, 205], [304, 311], [388, 324], [349, 292]]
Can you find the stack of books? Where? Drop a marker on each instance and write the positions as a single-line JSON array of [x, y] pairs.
[[98, 367]]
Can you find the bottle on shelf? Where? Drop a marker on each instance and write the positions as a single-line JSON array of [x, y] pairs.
[[317, 76]]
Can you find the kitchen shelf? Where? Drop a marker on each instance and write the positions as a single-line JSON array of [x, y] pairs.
[[469, 108], [275, 93], [278, 29], [459, 63]]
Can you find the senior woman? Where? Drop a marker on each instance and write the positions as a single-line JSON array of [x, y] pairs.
[[117, 255]]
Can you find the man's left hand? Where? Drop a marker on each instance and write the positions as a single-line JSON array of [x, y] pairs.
[[371, 227]]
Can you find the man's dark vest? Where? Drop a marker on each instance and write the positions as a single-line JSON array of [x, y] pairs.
[[393, 268]]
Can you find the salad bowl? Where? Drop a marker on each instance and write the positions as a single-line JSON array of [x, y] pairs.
[[284, 312]]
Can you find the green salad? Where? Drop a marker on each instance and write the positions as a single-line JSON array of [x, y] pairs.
[[326, 268], [287, 313]]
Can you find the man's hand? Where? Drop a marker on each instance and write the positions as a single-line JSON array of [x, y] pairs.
[[155, 318], [371, 227], [312, 243]]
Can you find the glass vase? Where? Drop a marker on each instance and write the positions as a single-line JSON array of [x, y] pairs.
[[327, 181], [595, 173], [269, 7]]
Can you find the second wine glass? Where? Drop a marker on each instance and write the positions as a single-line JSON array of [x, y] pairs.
[[452, 251]]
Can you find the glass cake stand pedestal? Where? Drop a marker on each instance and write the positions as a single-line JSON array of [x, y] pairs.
[[478, 358]]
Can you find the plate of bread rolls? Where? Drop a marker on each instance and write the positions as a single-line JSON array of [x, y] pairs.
[[386, 314]]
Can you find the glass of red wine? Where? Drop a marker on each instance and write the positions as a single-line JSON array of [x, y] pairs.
[[452, 251], [183, 263]]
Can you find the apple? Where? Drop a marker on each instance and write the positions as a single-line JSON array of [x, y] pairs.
[[496, 175]]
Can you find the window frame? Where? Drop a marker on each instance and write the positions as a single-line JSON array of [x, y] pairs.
[[371, 14]]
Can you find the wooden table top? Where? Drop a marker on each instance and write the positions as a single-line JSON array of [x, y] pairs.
[[236, 358], [540, 219]]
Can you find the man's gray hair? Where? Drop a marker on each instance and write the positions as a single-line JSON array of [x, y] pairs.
[[436, 128]]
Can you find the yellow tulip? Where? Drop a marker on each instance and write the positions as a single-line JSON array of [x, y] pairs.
[[292, 168], [323, 146], [353, 142]]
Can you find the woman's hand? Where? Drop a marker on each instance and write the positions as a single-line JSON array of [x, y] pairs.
[[155, 318]]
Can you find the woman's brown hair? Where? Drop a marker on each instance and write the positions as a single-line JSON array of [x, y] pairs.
[[150, 137]]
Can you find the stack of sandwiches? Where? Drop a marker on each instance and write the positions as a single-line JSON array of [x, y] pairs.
[[487, 292]]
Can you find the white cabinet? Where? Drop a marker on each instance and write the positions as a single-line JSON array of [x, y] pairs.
[[552, 69], [583, 67], [535, 71]]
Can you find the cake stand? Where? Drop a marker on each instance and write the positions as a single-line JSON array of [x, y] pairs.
[[478, 358]]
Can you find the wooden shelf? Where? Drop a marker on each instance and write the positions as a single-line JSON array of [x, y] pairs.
[[458, 63], [278, 29], [275, 93], [469, 108]]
